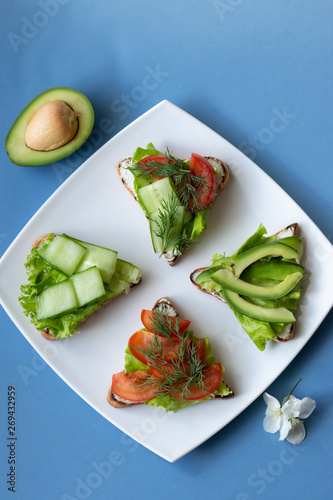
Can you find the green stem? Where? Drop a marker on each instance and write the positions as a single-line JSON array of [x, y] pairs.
[[291, 390]]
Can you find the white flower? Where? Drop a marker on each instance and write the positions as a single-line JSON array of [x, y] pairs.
[[286, 418]]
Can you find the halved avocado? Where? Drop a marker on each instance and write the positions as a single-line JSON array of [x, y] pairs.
[[17, 149]]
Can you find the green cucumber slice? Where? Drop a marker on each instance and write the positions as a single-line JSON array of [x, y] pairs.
[[172, 237], [63, 253], [103, 258], [151, 196], [56, 300], [88, 286]]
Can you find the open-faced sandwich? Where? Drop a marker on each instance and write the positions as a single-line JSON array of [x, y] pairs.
[[69, 280], [260, 283], [166, 365], [175, 195]]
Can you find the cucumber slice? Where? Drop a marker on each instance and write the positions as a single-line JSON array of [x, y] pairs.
[[125, 276], [56, 300], [127, 271], [172, 237], [63, 253], [88, 286], [103, 258], [151, 196]]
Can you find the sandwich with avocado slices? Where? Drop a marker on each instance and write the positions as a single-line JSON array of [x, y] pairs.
[[176, 195], [69, 280], [260, 283], [166, 365]]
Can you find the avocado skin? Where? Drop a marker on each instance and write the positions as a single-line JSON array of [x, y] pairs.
[[18, 151]]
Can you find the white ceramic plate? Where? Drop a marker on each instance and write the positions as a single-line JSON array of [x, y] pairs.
[[94, 206]]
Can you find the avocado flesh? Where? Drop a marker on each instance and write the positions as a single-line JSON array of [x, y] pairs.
[[275, 249], [271, 315], [227, 279], [272, 270], [294, 242], [20, 154]]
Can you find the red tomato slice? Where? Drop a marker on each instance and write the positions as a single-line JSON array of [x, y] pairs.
[[154, 158], [149, 159], [147, 320], [212, 378], [129, 386], [143, 340], [201, 167], [161, 371]]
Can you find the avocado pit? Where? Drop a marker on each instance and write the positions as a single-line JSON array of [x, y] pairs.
[[52, 126]]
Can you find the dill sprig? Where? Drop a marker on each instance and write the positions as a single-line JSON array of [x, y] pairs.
[[164, 226], [188, 185], [180, 374]]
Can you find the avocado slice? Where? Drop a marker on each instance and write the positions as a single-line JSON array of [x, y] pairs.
[[75, 102], [271, 315], [273, 270], [274, 249], [294, 242], [227, 279]]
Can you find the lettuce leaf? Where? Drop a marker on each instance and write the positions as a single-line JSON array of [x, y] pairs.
[[140, 153]]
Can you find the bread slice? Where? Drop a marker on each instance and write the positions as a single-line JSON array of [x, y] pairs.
[[127, 179], [168, 307], [46, 332], [288, 331]]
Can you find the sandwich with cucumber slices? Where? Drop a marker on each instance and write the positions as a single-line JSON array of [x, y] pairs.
[[69, 280], [176, 195], [166, 365], [260, 283]]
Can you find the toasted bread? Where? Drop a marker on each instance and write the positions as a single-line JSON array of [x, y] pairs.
[[46, 333], [170, 309], [286, 334], [127, 179]]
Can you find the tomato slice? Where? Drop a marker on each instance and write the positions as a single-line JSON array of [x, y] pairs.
[[129, 386], [165, 368], [142, 340], [212, 378], [147, 318], [201, 167], [149, 159]]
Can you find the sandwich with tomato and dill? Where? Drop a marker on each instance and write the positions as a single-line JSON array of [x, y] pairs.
[[166, 365], [176, 195]]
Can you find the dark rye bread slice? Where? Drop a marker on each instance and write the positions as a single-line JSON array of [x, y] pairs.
[[170, 309], [46, 333], [127, 179], [290, 230]]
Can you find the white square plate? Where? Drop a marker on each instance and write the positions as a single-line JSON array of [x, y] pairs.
[[93, 205]]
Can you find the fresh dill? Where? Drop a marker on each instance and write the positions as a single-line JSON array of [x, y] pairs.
[[165, 225], [173, 375], [188, 185]]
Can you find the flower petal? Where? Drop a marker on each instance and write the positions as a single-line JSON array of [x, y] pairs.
[[289, 409], [271, 425], [285, 428], [306, 407], [296, 433], [272, 403]]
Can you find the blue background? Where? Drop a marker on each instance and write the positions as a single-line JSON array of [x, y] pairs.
[[233, 64]]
